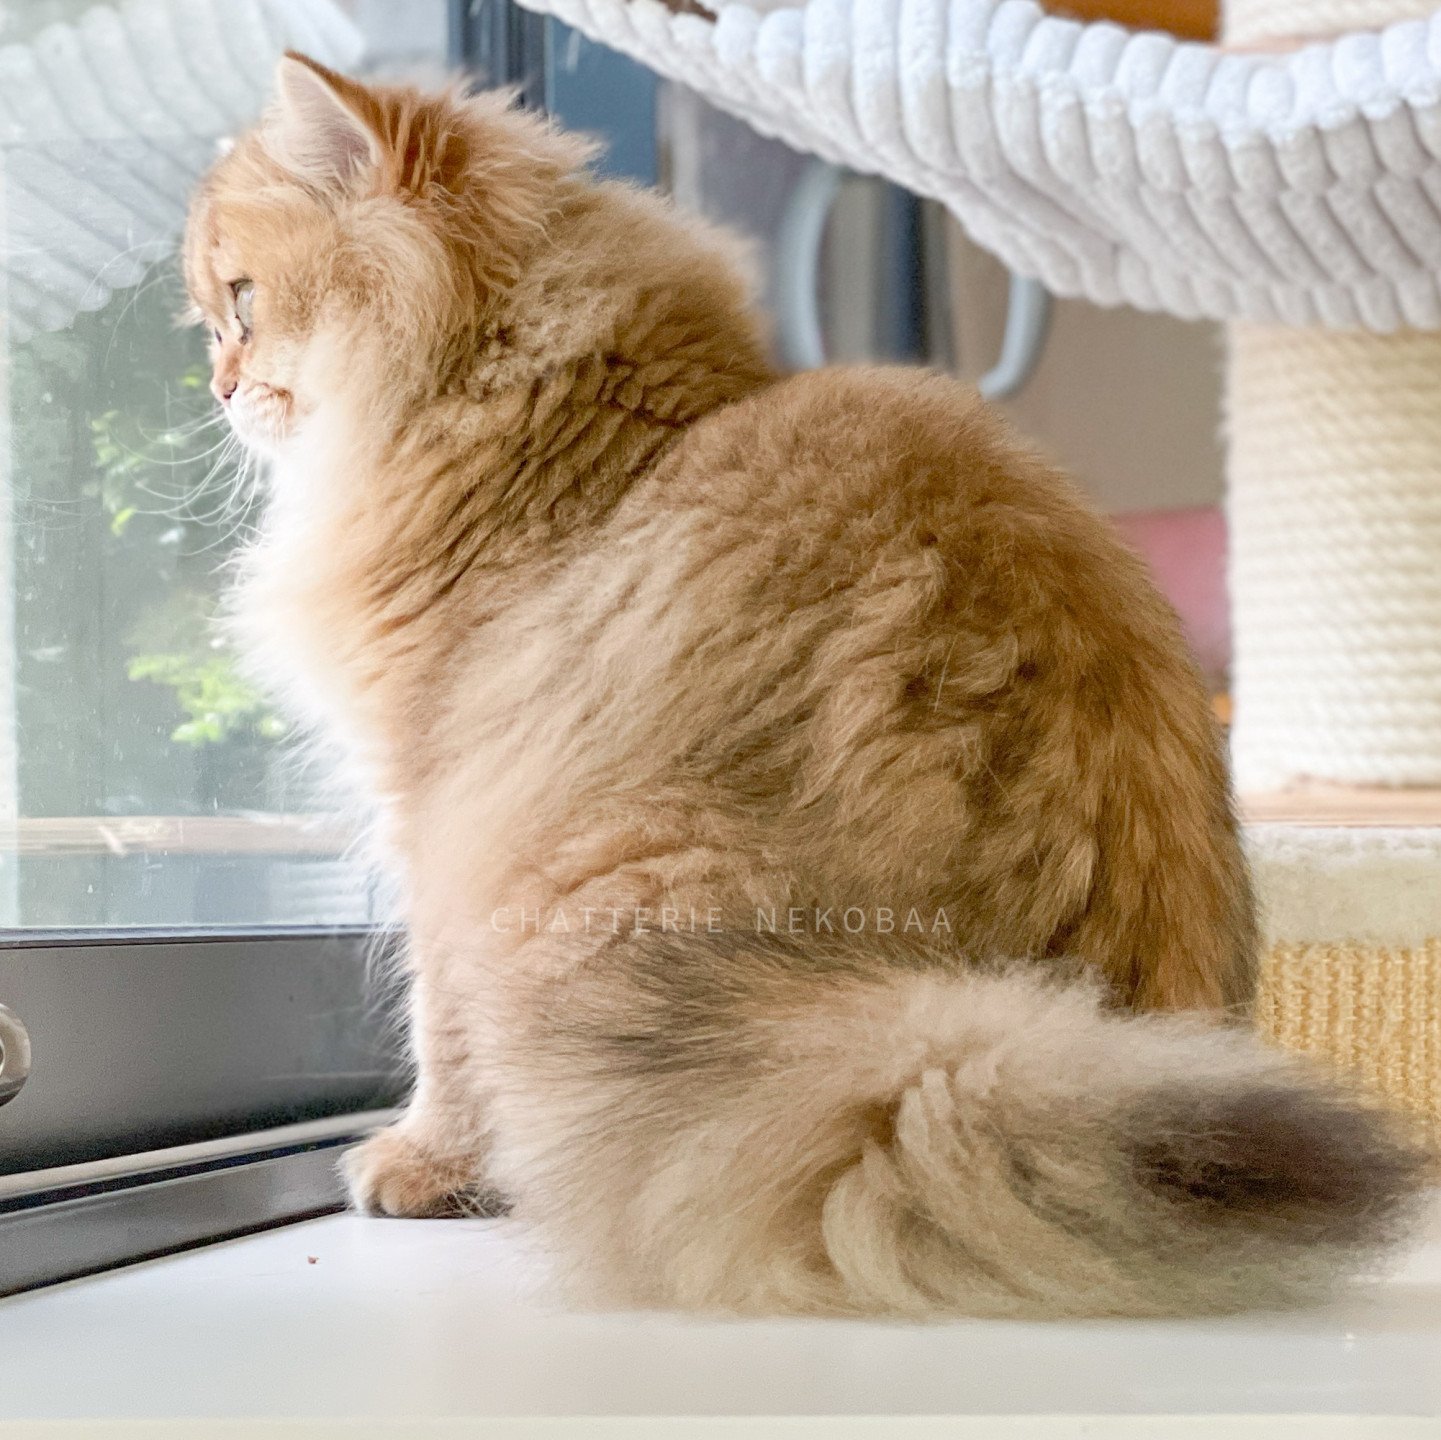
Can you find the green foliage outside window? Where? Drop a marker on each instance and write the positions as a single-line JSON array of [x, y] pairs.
[[175, 638], [126, 507]]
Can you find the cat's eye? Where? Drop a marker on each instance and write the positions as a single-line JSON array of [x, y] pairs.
[[244, 292]]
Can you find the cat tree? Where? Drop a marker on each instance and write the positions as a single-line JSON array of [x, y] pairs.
[[1288, 183]]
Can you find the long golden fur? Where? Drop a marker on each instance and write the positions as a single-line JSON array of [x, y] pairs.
[[794, 789]]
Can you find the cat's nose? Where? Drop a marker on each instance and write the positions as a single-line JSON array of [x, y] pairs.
[[223, 387]]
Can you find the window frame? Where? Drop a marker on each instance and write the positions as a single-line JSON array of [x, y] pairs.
[[134, 1136], [289, 1051]]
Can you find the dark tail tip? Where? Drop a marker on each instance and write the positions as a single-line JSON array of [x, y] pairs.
[[1307, 1162]]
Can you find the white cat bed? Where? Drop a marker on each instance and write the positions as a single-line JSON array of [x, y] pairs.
[[106, 125], [1122, 167]]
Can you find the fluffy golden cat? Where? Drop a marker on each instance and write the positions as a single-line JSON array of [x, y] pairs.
[[807, 821]]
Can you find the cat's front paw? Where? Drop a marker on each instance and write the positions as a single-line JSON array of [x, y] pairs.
[[391, 1174]]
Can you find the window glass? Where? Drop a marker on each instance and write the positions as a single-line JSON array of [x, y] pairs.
[[143, 779]]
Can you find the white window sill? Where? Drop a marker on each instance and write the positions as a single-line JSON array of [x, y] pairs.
[[360, 1320]]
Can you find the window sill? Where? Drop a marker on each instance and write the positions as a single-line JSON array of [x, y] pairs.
[[72, 1220], [415, 1321]]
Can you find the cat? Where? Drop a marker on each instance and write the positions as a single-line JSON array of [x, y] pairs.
[[820, 877]]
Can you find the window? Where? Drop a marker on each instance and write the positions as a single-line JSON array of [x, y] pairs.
[[185, 950], [147, 780], [182, 938]]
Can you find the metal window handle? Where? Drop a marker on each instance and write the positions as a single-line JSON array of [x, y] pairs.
[[14, 1055], [800, 333], [1028, 322]]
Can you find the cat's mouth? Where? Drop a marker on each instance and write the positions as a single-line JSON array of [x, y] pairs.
[[261, 416]]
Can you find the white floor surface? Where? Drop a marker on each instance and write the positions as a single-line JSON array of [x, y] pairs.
[[416, 1321]]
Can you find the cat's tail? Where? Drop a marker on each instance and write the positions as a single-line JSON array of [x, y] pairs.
[[757, 1126]]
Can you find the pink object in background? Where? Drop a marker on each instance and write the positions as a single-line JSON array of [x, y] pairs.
[[1186, 550]]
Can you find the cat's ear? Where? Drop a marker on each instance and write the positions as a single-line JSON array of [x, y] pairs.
[[318, 126]]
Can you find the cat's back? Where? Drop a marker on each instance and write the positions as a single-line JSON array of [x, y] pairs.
[[926, 639], [868, 471], [850, 604]]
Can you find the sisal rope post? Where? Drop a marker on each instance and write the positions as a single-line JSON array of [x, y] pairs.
[[1334, 500]]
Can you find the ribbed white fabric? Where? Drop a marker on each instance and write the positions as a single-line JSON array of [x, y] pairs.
[[1334, 492], [1127, 168], [106, 124], [1259, 22]]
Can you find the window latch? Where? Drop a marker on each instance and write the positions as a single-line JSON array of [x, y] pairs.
[[14, 1055]]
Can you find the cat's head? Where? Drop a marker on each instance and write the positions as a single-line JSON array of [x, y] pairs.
[[362, 230]]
